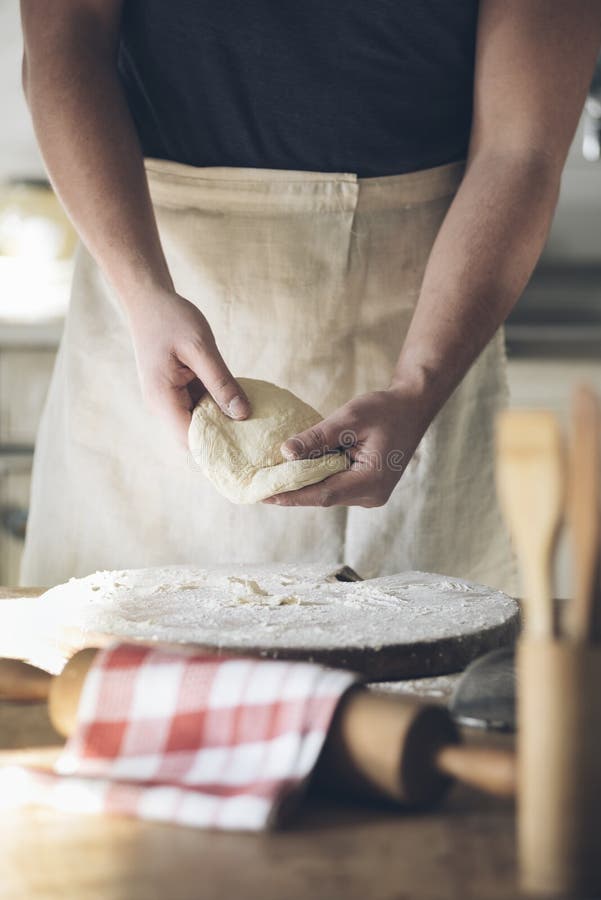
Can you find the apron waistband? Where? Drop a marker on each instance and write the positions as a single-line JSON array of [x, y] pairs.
[[239, 189]]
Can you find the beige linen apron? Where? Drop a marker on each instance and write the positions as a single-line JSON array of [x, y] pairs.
[[309, 280]]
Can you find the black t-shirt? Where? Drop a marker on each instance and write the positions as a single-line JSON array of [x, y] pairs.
[[375, 87]]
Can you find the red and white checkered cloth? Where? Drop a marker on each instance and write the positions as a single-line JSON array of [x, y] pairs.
[[194, 739]]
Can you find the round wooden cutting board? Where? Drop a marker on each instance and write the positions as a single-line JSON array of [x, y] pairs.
[[390, 628]]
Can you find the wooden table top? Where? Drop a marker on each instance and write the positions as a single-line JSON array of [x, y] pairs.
[[463, 850]]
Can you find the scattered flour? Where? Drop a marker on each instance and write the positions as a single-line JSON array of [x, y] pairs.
[[272, 607]]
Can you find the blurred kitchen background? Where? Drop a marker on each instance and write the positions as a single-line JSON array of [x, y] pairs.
[[553, 337]]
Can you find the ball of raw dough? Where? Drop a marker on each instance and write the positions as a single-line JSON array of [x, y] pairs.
[[243, 459]]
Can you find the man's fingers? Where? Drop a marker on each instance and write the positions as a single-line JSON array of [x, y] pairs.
[[343, 489], [207, 364], [323, 437], [173, 406]]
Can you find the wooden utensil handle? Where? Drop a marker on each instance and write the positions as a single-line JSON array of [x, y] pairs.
[[530, 482], [490, 770], [65, 691], [584, 512], [22, 682]]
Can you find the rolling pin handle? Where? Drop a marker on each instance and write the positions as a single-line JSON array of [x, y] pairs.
[[489, 770], [65, 691], [21, 682]]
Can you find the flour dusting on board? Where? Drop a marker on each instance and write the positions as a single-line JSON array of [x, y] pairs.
[[273, 607]]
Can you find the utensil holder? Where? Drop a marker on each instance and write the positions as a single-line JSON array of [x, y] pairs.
[[559, 767]]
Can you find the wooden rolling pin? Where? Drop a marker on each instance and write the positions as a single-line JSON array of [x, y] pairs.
[[378, 744]]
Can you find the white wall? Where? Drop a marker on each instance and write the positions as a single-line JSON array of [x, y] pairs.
[[18, 151]]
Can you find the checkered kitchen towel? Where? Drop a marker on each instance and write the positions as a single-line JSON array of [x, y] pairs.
[[193, 739]]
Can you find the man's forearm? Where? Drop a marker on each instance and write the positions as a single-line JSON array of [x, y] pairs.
[[482, 258], [92, 153]]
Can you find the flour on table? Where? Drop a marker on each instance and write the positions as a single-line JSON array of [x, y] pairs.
[[242, 458], [276, 608]]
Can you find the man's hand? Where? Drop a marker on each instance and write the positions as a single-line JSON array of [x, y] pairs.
[[178, 361], [379, 431]]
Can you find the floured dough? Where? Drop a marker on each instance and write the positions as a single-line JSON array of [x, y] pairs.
[[242, 459], [395, 626]]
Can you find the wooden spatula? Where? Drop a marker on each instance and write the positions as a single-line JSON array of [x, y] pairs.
[[530, 482], [584, 480]]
